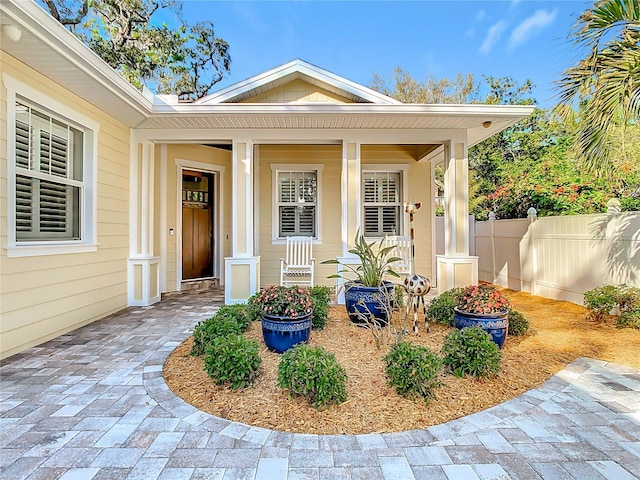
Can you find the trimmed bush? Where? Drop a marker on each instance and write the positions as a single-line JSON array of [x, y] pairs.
[[313, 373], [413, 370], [471, 351], [629, 318], [228, 320], [441, 307], [518, 323], [320, 298], [233, 359], [600, 301], [207, 331]]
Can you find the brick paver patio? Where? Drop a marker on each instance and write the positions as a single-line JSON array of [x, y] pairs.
[[92, 405]]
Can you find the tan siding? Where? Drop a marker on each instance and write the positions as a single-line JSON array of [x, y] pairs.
[[331, 157], [298, 91], [419, 190], [330, 247], [44, 296]]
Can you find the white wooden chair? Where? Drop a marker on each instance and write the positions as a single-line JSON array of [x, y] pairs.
[[402, 249], [298, 265]]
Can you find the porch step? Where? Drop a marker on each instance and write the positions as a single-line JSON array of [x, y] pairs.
[[199, 285]]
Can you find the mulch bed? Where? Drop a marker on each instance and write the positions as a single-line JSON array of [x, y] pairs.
[[559, 334]]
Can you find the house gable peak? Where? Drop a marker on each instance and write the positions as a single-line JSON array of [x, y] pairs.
[[329, 86]]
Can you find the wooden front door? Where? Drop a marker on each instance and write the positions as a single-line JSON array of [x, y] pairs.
[[197, 225]]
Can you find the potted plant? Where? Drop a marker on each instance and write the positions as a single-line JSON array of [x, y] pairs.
[[368, 296], [286, 316], [486, 307]]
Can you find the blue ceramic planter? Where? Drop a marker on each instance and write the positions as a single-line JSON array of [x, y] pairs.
[[372, 297], [282, 333], [495, 324]]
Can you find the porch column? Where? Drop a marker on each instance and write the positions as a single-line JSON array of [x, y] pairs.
[[242, 269], [456, 268], [351, 204], [143, 268]]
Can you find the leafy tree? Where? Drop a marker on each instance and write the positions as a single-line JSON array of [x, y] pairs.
[[433, 90], [188, 60], [607, 81]]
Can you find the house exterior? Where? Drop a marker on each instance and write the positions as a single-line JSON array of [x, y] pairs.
[[111, 197]]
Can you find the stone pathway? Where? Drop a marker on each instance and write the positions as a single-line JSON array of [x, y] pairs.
[[92, 405]]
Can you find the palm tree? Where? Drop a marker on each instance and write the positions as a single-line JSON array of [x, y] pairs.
[[606, 84]]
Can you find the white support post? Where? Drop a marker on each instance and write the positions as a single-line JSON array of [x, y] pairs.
[[456, 268], [143, 269], [351, 194], [242, 269]]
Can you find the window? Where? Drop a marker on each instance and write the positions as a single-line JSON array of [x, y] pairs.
[[49, 176], [297, 192], [382, 203], [296, 205]]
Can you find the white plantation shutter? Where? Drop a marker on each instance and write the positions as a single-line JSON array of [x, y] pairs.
[[381, 203], [48, 177], [297, 203]]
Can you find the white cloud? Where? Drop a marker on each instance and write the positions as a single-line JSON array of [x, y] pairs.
[[493, 36], [537, 21], [471, 33], [480, 15]]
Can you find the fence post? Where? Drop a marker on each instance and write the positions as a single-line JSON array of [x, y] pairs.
[[613, 209], [532, 214], [613, 206], [492, 217]]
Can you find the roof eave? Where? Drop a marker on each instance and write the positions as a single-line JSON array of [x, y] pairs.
[[34, 21]]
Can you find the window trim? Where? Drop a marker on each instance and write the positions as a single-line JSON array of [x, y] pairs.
[[17, 90], [277, 168], [403, 170]]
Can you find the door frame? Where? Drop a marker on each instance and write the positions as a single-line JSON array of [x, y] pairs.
[[217, 172]]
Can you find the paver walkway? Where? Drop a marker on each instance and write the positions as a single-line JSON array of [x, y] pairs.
[[92, 404]]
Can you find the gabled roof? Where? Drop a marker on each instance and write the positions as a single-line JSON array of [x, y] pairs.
[[47, 47], [296, 70]]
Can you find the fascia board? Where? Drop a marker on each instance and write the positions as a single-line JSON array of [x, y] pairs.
[[485, 112]]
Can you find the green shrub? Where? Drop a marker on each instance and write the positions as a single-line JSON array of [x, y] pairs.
[[441, 307], [413, 370], [240, 312], [320, 298], [629, 318], [228, 320], [600, 301], [233, 359], [208, 330], [313, 373], [471, 351], [628, 298], [518, 323]]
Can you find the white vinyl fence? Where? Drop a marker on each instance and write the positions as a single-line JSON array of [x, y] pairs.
[[560, 257]]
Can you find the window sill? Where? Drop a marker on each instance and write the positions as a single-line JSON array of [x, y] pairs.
[[18, 251]]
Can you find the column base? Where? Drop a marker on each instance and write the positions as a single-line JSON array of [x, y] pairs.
[[456, 272], [242, 278], [143, 281]]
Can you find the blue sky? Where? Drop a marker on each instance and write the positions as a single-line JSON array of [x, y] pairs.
[[357, 39]]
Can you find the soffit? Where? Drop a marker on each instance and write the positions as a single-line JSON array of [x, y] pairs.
[[351, 117]]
